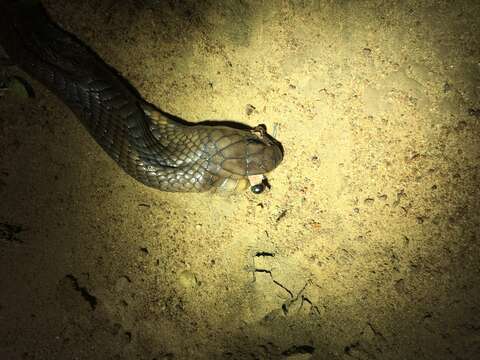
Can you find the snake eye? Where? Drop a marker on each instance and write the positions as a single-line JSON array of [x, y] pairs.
[[258, 188]]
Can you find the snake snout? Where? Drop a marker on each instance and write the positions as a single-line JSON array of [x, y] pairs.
[[262, 158]]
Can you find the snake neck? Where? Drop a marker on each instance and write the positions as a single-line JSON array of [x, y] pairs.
[[157, 153]]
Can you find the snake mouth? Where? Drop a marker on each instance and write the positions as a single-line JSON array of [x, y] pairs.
[[232, 185], [256, 183]]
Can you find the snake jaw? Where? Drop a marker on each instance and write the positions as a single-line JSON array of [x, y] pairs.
[[229, 185]]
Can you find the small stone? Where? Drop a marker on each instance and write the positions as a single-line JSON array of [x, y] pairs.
[[447, 87], [474, 112], [461, 126], [249, 109], [188, 279], [369, 201], [367, 51], [122, 284]]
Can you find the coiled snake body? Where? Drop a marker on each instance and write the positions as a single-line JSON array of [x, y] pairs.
[[150, 145]]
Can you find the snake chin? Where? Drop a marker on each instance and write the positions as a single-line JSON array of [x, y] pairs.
[[230, 185]]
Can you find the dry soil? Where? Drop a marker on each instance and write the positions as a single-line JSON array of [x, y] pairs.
[[367, 244]]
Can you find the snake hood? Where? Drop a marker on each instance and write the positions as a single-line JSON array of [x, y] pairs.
[[152, 146]]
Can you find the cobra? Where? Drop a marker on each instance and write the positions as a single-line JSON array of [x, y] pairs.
[[154, 147]]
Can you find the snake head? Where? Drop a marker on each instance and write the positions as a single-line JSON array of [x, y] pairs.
[[241, 155]]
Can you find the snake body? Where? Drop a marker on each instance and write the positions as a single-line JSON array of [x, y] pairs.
[[150, 145]]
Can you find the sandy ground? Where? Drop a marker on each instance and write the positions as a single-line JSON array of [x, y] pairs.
[[367, 245]]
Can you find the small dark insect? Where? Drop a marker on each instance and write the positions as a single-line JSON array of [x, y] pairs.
[[258, 188]]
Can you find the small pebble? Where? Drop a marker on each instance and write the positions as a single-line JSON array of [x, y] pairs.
[[367, 51], [187, 279], [250, 109]]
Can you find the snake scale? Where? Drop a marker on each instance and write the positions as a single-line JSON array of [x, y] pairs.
[[154, 147]]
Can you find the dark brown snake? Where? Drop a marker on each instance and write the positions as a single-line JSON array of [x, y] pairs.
[[150, 145]]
